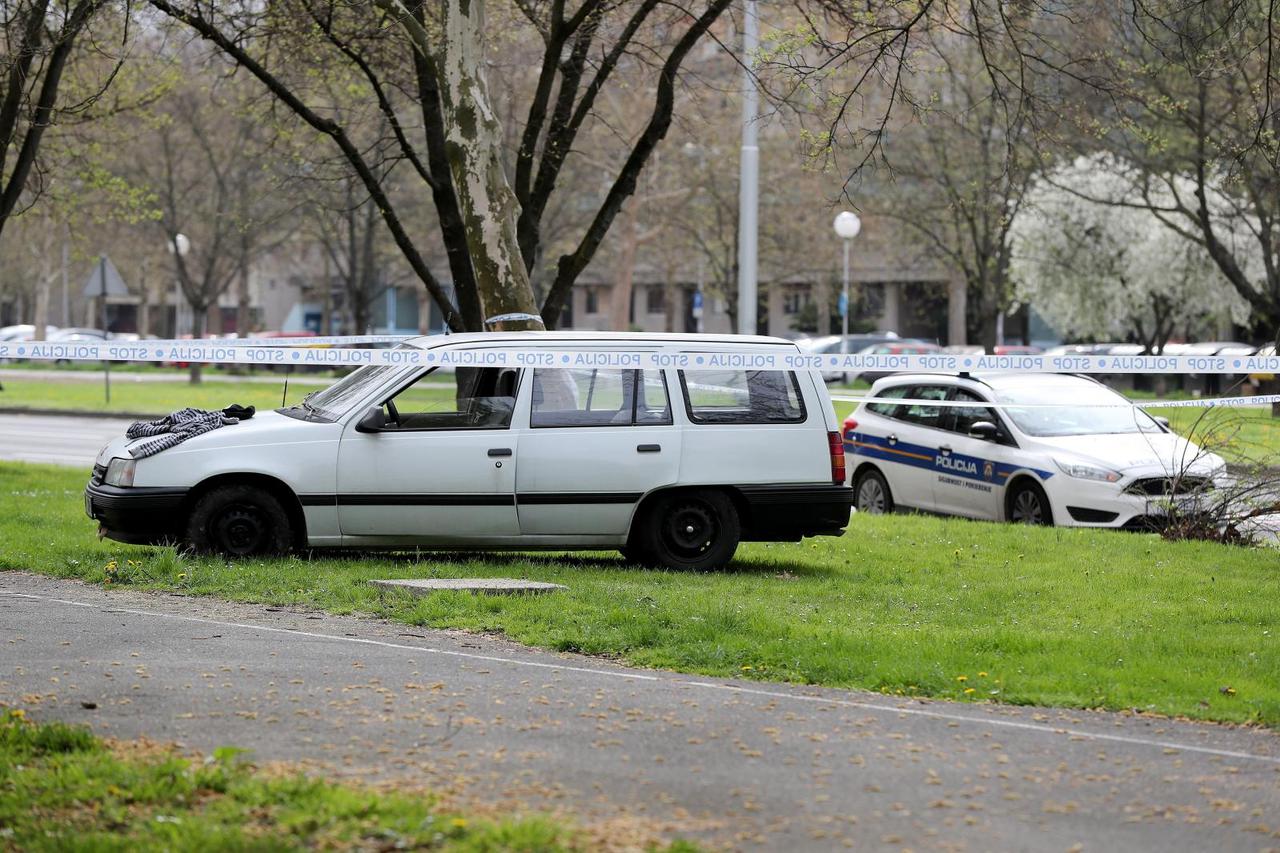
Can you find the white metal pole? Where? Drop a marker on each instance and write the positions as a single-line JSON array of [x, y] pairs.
[[749, 183], [844, 315]]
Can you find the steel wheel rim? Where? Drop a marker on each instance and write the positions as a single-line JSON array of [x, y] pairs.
[[871, 497], [690, 530], [1027, 508], [240, 529]]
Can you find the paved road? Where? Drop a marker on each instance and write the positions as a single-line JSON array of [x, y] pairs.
[[56, 439], [749, 765]]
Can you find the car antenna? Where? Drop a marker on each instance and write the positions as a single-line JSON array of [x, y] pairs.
[[285, 393]]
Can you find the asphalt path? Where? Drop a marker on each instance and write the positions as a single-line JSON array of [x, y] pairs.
[[56, 439], [740, 764]]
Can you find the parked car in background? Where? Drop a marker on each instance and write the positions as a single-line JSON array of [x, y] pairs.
[[594, 456], [900, 348], [24, 332], [831, 344], [1015, 349], [1061, 449]]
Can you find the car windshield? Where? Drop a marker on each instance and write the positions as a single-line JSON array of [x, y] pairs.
[[338, 398], [1073, 408]]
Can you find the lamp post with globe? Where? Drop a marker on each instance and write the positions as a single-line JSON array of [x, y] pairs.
[[847, 226]]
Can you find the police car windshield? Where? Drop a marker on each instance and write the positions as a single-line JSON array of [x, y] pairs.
[[338, 398], [1055, 407]]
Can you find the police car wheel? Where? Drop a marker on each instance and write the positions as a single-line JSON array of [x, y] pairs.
[[691, 530], [239, 521], [1028, 504], [872, 494]]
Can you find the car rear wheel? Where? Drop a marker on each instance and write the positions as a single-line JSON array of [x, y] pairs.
[[690, 530], [239, 521], [1028, 504], [871, 494]]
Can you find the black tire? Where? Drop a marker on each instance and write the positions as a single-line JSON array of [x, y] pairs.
[[690, 530], [871, 493], [1028, 504], [239, 521]]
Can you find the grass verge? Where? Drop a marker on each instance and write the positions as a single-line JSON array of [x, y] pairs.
[[63, 789], [131, 395], [907, 605]]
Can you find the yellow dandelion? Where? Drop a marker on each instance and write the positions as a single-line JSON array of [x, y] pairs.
[[982, 675], [968, 690], [458, 823], [962, 678]]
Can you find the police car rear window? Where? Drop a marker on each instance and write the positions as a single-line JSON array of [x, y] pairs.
[[742, 396], [889, 410]]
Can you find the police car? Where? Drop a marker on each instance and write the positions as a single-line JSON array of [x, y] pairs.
[[1059, 449]]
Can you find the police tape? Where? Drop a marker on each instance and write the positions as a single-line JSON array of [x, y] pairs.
[[1244, 402], [307, 352]]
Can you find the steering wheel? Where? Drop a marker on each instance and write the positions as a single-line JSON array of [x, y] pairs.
[[393, 416]]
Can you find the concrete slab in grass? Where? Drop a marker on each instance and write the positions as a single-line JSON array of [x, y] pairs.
[[475, 586]]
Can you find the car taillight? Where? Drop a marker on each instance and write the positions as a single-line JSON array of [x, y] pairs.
[[836, 444], [849, 425]]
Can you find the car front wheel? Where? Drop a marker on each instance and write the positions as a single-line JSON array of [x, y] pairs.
[[871, 494], [1028, 504], [691, 530], [239, 521]]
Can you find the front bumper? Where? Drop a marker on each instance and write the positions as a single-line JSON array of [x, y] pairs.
[[787, 513], [1115, 506], [137, 515]]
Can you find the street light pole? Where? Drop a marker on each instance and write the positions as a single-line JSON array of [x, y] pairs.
[[749, 177], [847, 226]]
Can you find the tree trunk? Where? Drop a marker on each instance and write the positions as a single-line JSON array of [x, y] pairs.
[[199, 318], [624, 271], [474, 143]]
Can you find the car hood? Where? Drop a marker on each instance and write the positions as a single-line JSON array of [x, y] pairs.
[[262, 428], [1134, 453]]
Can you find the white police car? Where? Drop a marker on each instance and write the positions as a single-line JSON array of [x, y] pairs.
[[1061, 449]]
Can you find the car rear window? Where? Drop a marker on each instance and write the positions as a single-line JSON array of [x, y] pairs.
[[742, 396]]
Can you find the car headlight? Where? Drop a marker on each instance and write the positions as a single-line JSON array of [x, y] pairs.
[[120, 472], [1087, 472]]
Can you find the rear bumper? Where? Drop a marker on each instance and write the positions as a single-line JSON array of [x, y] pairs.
[[137, 515], [789, 512]]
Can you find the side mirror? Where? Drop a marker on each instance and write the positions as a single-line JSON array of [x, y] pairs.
[[985, 430], [1164, 422], [374, 420]]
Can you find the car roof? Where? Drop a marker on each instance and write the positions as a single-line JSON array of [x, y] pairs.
[[990, 380], [643, 339]]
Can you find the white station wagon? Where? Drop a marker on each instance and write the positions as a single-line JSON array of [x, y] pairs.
[[672, 466]]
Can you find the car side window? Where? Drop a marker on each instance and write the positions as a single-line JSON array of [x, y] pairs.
[[742, 396], [570, 397], [964, 417], [889, 410], [467, 398], [922, 414]]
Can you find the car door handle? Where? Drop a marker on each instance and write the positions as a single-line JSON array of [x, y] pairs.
[[944, 450], [648, 448], [500, 451], [893, 439]]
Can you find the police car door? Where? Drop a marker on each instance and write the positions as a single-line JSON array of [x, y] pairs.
[[911, 445], [968, 480]]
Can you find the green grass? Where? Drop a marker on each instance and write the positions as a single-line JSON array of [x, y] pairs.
[[900, 604], [63, 789], [131, 395]]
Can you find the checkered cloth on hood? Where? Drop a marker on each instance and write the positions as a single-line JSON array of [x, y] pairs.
[[172, 430]]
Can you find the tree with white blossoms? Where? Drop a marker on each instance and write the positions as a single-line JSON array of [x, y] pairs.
[[1112, 269]]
